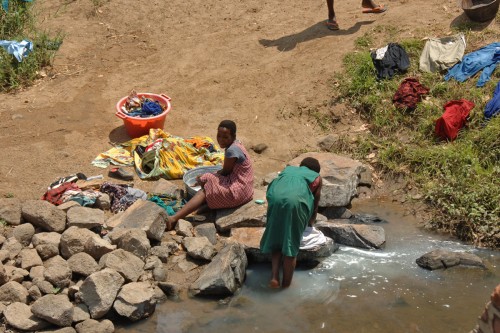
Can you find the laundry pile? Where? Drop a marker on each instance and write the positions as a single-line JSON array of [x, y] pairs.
[[141, 107]]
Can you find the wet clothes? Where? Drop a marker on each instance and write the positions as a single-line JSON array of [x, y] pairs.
[[453, 119], [485, 59], [409, 93], [395, 60], [290, 207], [493, 107], [442, 53], [234, 189]]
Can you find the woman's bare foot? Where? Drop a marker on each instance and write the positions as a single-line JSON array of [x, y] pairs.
[[274, 284]]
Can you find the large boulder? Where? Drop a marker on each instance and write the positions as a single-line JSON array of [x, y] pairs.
[[47, 244], [206, 230], [12, 246], [125, 263], [10, 210], [80, 313], [145, 215], [45, 215], [224, 275], [82, 264], [184, 228], [99, 291], [340, 177], [85, 217], [250, 214], [57, 272], [23, 233], [135, 301], [12, 292], [445, 259], [56, 309], [96, 247], [15, 273], [132, 240], [18, 315], [355, 235], [199, 247], [73, 241], [28, 258]]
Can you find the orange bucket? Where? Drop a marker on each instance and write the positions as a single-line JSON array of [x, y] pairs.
[[136, 126]]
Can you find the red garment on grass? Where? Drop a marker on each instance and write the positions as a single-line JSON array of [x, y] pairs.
[[54, 195], [409, 93], [453, 118]]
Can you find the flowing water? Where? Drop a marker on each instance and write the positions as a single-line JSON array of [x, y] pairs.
[[354, 290]]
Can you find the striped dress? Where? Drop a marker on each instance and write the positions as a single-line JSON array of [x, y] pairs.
[[232, 190]]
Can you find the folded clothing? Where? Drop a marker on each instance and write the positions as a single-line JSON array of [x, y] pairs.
[[312, 238]]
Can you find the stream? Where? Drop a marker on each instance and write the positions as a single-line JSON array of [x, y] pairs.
[[353, 290]]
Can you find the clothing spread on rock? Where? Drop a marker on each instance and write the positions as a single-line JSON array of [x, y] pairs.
[[485, 59], [409, 93], [395, 59], [493, 107], [290, 207], [122, 197], [54, 196], [234, 189], [442, 53], [453, 119]]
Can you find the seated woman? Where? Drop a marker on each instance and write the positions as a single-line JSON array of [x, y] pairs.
[[231, 186], [293, 199]]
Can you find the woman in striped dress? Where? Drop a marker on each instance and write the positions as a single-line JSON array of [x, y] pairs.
[[232, 186]]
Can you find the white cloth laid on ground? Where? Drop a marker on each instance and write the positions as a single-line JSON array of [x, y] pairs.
[[311, 238]]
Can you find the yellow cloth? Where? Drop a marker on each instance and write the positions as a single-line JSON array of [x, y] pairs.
[[116, 156]]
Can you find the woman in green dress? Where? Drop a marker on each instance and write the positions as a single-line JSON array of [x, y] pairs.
[[293, 199]]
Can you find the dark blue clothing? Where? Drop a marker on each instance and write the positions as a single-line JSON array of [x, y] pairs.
[[493, 106], [485, 58]]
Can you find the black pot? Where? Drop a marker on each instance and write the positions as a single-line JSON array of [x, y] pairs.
[[480, 10]]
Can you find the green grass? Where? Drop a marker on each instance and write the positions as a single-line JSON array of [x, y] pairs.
[[460, 180], [17, 24]]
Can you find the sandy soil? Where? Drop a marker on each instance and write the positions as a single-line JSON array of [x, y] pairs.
[[257, 62]]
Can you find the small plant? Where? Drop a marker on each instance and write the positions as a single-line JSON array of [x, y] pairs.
[[9, 195]]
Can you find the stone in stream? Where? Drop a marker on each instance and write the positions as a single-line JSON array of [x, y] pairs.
[[445, 259]]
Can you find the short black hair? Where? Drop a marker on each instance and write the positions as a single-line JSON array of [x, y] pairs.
[[230, 125], [311, 163]]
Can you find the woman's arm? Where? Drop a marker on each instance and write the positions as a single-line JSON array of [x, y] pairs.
[[317, 196], [228, 166]]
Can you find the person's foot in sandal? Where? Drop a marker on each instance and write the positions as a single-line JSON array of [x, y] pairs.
[[370, 7], [332, 24]]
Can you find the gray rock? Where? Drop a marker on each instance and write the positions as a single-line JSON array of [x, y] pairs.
[[199, 248], [99, 291], [327, 143], [365, 178], [73, 241], [184, 228], [85, 217], [19, 315], [94, 326], [259, 148], [366, 219], [145, 215], [82, 264], [125, 263], [269, 178], [13, 246], [135, 301], [159, 295], [80, 313], [355, 235], [57, 272], [161, 252], [206, 230], [56, 309], [224, 275], [340, 177], [250, 214], [172, 290], [68, 205], [4, 277], [445, 259], [15, 274], [34, 293], [45, 286], [103, 202], [28, 258], [96, 247], [166, 187], [43, 214], [160, 273], [47, 244], [184, 263], [59, 330], [10, 210], [134, 241], [333, 213], [37, 272], [12, 292], [4, 255], [23, 233]]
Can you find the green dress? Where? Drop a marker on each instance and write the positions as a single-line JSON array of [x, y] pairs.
[[290, 206]]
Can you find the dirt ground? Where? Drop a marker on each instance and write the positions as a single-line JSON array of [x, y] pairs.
[[256, 61]]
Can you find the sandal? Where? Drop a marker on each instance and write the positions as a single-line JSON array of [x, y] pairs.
[[376, 10], [332, 25], [120, 173]]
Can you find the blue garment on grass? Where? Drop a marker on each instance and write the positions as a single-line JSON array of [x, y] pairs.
[[19, 50], [485, 59], [5, 4], [493, 107]]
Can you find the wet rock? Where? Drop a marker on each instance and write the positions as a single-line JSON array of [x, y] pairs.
[[199, 248], [83, 264], [96, 247], [333, 213], [135, 301], [13, 247], [134, 241], [23, 233], [125, 263], [206, 230], [99, 291], [56, 309], [445, 259], [28, 258], [355, 235], [57, 272], [259, 148], [161, 252], [13, 292], [184, 228], [10, 210], [47, 244], [73, 241], [145, 215], [85, 217], [80, 313], [43, 214], [250, 214], [224, 275], [366, 219], [103, 202], [94, 326], [19, 316]]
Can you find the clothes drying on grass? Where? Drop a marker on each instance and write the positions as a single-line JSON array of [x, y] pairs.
[[394, 59], [453, 119], [442, 53], [493, 106], [409, 93], [19, 50], [485, 59]]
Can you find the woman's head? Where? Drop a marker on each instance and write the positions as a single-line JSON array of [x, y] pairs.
[[311, 163], [226, 133]]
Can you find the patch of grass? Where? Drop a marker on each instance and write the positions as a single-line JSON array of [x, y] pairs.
[[9, 195]]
